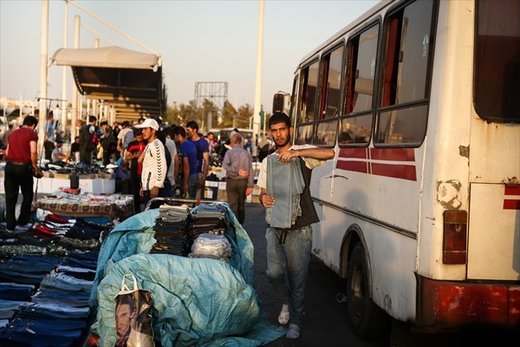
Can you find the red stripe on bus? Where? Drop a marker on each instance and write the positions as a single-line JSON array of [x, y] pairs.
[[406, 172], [512, 189], [511, 204], [358, 153], [358, 166], [397, 154]]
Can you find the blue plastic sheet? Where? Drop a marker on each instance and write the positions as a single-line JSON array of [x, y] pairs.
[[197, 301]]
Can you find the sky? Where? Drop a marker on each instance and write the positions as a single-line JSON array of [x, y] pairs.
[[199, 41]]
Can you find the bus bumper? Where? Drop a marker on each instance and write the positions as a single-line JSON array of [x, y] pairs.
[[456, 304]]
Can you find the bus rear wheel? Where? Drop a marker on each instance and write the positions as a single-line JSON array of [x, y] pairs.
[[366, 318]]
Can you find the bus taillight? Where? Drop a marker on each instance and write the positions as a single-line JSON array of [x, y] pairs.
[[454, 250]]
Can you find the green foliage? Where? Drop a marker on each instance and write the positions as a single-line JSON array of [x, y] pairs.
[[229, 116]]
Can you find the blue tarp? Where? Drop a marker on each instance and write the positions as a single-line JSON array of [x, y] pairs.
[[197, 302]]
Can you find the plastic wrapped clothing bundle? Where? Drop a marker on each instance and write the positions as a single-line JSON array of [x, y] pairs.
[[198, 302]]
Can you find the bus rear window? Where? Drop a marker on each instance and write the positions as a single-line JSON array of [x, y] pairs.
[[497, 61]]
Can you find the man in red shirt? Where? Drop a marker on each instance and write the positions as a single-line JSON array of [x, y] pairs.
[[21, 157]]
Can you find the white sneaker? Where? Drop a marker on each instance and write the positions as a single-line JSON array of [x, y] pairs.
[[293, 332], [284, 316]]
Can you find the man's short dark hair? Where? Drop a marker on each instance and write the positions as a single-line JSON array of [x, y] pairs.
[[169, 131], [279, 117], [192, 124], [30, 120], [92, 119], [137, 131], [179, 131], [125, 124], [103, 123]]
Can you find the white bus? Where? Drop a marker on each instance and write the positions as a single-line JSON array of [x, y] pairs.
[[420, 208]]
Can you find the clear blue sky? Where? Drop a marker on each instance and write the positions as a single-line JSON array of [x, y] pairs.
[[199, 41]]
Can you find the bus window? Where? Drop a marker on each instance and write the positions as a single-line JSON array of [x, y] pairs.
[[303, 134], [355, 130], [326, 133], [361, 64], [330, 101], [405, 75], [362, 60], [330, 95], [497, 61], [309, 87]]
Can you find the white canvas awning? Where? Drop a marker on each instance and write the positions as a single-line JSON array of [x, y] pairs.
[[129, 81], [113, 56]]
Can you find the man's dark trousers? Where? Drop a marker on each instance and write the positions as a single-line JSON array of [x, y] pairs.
[[18, 177], [236, 195]]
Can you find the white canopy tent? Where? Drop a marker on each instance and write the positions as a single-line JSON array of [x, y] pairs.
[[129, 81]]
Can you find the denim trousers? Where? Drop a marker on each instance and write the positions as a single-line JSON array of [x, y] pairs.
[[18, 177], [287, 266], [193, 185]]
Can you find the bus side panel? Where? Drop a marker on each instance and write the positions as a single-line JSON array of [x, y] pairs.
[[445, 183]]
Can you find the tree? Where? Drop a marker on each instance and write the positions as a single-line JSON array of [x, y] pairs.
[[228, 114], [245, 112]]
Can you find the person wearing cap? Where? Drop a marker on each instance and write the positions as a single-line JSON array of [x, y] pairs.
[[239, 175], [153, 160]]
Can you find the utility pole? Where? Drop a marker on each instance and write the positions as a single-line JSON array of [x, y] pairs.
[[258, 84], [44, 43]]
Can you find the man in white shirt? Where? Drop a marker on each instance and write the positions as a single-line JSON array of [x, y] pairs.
[[153, 160]]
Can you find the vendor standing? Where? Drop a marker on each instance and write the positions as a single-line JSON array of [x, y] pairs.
[[153, 160], [21, 157]]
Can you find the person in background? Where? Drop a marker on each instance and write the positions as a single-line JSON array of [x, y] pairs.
[[167, 190], [212, 141], [21, 166], [74, 150], [49, 138], [190, 174], [239, 175], [123, 178], [58, 157], [202, 146], [289, 249], [8, 131], [173, 163], [105, 141], [154, 161], [121, 136], [134, 150], [87, 143]]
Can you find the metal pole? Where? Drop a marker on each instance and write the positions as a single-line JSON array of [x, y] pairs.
[[64, 72], [44, 43], [73, 128], [258, 84]]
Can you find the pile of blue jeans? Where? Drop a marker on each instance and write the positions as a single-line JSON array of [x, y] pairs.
[[44, 298]]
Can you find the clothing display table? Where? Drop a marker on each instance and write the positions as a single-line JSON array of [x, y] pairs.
[[48, 185], [113, 206]]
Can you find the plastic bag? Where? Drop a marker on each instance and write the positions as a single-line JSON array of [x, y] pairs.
[[133, 315]]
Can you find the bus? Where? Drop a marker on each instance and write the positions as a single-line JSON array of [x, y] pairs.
[[420, 208]]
